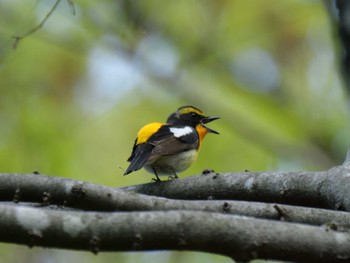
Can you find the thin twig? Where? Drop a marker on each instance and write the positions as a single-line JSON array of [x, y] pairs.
[[72, 6], [36, 28]]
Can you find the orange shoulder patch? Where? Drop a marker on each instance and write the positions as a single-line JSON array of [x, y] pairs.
[[147, 131]]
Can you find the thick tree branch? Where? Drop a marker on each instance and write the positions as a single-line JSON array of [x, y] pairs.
[[82, 195], [45, 190], [216, 231], [326, 189], [238, 237]]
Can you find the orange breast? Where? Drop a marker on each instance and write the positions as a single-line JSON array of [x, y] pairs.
[[146, 131], [202, 131]]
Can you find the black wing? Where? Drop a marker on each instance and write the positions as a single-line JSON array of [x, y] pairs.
[[165, 142]]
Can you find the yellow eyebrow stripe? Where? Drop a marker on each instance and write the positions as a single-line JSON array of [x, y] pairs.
[[147, 131], [190, 109]]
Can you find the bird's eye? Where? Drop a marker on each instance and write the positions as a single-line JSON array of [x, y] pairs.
[[194, 115]]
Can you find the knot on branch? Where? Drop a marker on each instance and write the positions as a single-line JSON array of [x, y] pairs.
[[78, 191]]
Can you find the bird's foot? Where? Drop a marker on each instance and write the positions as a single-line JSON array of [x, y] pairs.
[[156, 180]]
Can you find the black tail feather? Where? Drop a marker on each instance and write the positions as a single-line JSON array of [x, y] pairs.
[[139, 157]]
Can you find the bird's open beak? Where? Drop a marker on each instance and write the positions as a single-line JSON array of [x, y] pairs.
[[207, 120]]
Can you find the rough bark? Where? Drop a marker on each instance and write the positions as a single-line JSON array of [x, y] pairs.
[[229, 226], [63, 192], [325, 189], [241, 238]]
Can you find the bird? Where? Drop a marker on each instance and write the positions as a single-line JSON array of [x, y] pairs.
[[170, 148]]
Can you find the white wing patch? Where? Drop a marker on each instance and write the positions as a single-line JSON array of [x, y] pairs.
[[179, 132]]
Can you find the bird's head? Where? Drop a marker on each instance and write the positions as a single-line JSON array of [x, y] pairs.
[[189, 115]]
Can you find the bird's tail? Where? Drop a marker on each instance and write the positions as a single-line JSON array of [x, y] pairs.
[[139, 157]]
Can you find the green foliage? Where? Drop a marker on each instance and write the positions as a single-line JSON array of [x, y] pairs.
[[74, 94]]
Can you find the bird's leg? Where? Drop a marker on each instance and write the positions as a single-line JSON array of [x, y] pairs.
[[174, 176], [155, 173]]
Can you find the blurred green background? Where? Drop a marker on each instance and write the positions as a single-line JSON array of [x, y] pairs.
[[74, 94]]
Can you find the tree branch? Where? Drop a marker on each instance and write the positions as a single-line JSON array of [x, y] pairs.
[[46, 190], [174, 230], [65, 193], [40, 25], [71, 3], [326, 189], [185, 230]]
